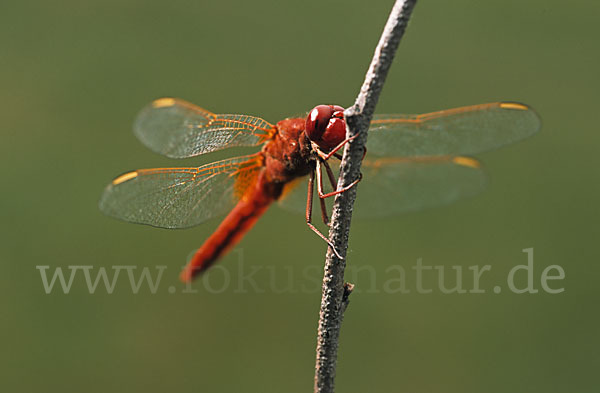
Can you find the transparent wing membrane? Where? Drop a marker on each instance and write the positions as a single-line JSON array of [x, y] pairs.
[[460, 131], [393, 186], [180, 197], [179, 129], [412, 162], [397, 185]]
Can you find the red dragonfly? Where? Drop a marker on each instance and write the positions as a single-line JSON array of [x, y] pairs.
[[413, 161]]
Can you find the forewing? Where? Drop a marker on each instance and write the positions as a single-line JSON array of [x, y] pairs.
[[393, 186], [460, 131], [179, 129], [180, 197]]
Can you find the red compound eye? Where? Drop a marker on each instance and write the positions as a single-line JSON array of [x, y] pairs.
[[317, 120], [335, 133], [325, 126]]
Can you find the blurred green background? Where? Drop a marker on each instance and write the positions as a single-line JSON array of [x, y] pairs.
[[73, 75]]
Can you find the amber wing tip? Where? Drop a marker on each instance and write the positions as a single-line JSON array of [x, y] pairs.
[[124, 177], [511, 105], [467, 162], [163, 102], [514, 105]]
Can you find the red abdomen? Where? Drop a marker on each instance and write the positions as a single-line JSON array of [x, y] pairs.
[[243, 216]]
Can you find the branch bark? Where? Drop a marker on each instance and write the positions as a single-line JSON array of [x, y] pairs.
[[335, 295]]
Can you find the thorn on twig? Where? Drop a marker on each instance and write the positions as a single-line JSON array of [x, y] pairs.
[[335, 292], [348, 288]]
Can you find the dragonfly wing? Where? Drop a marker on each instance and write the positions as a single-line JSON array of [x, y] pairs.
[[392, 186], [180, 197], [179, 129], [398, 185], [460, 131], [293, 197]]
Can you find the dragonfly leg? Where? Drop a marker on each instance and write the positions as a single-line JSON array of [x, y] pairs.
[[324, 214], [339, 156], [335, 149], [309, 195], [330, 175], [309, 202], [320, 190]]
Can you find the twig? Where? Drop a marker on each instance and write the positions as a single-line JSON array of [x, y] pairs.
[[335, 293]]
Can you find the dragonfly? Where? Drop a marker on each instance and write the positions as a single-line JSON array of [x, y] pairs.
[[411, 162]]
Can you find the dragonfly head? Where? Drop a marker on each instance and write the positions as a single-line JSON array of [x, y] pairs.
[[325, 126]]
